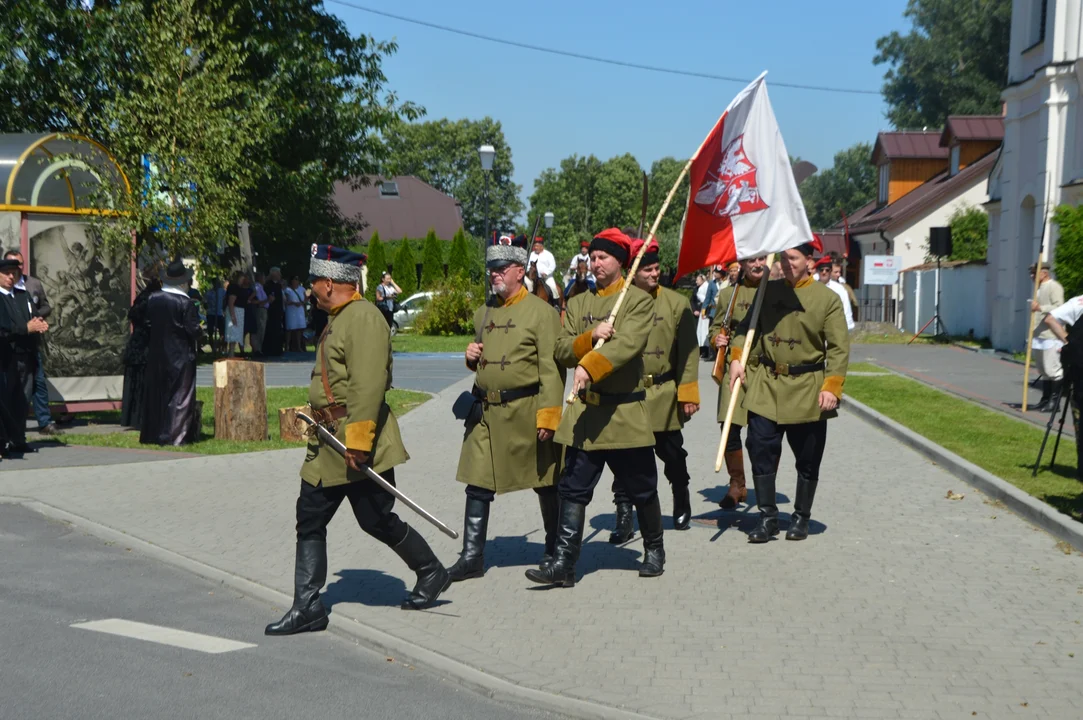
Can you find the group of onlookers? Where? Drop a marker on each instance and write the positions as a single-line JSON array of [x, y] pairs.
[[257, 312]]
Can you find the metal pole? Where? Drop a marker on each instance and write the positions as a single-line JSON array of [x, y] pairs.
[[488, 229], [939, 325]]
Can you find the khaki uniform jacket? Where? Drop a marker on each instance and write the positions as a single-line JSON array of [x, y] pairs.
[[502, 452], [616, 368], [798, 325], [357, 345], [746, 293], [1050, 297], [671, 345]]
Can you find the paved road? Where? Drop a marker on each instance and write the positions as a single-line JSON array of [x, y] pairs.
[[428, 372], [982, 378], [55, 577], [903, 604]]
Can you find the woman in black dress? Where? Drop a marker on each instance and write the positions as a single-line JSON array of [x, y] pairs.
[[135, 354]]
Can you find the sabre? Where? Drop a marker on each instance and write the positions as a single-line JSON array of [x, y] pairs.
[[338, 447]]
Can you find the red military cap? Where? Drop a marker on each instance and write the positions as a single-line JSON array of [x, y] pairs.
[[650, 255], [613, 242]]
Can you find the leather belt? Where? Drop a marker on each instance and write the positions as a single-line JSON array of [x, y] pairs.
[[328, 415], [589, 397], [503, 397], [780, 368], [659, 378]]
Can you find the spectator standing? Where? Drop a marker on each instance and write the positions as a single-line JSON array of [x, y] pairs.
[[257, 305], [135, 353], [20, 339], [216, 320], [1050, 297], [42, 309], [385, 297], [236, 301], [276, 315], [294, 299]]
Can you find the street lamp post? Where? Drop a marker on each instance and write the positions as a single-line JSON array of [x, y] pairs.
[[486, 153]]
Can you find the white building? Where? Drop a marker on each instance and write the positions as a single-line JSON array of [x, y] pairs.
[[1041, 163]]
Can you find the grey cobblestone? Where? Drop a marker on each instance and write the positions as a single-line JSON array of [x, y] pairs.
[[902, 604]]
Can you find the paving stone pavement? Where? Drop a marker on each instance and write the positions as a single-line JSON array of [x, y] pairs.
[[902, 604]]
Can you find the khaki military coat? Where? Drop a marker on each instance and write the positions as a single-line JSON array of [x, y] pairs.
[[798, 325], [357, 347], [502, 452], [616, 368], [671, 347], [746, 292]]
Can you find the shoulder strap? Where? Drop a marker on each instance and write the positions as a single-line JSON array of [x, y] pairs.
[[323, 365]]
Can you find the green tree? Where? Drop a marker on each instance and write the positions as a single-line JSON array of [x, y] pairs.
[[458, 259], [377, 264], [444, 153], [451, 310], [1068, 256], [846, 186], [954, 61], [405, 270], [432, 262], [969, 234], [663, 174]]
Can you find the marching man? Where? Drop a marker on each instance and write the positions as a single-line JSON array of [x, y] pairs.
[[753, 272], [609, 423], [545, 264], [670, 374], [796, 370], [353, 371], [520, 390]]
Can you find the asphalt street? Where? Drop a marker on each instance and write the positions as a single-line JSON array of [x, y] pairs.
[[55, 576]]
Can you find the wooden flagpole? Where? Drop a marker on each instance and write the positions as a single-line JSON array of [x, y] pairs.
[[718, 372], [749, 340]]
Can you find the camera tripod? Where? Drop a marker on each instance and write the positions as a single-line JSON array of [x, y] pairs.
[[1063, 393]]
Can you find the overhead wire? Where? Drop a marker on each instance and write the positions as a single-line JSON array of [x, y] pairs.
[[595, 58]]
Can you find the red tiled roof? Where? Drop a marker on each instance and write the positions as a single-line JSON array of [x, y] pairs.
[[937, 189], [418, 207], [908, 144], [972, 127]]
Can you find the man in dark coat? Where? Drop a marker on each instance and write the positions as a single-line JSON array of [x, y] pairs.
[[170, 395], [41, 308], [20, 335]]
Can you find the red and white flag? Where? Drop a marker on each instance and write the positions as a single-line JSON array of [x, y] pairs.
[[743, 201]]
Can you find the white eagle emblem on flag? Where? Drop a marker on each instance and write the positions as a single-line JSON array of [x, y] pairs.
[[733, 190]]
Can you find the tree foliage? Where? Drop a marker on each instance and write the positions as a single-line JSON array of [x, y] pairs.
[[377, 264], [444, 153], [846, 186], [405, 270], [432, 261], [451, 309], [954, 61], [663, 174], [969, 234], [463, 258], [1068, 256]]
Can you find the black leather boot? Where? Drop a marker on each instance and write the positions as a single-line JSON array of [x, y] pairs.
[[682, 509], [624, 530], [432, 578], [471, 562], [549, 503], [765, 499], [1056, 387], [309, 574], [1043, 403], [569, 541], [650, 525], [802, 508]]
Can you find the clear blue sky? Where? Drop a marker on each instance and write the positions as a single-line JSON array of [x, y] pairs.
[[551, 107]]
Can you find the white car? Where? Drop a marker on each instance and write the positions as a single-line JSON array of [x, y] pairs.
[[409, 310]]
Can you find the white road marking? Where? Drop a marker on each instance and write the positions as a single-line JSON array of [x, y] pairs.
[[164, 636]]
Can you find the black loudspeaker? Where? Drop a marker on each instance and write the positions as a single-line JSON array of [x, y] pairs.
[[940, 241]]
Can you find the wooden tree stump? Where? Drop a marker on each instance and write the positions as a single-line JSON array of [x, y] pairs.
[[240, 400], [289, 427]]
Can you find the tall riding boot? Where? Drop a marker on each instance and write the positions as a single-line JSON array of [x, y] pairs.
[[569, 540], [471, 562], [550, 508], [1055, 389], [737, 493], [682, 509], [802, 508], [650, 525], [765, 498], [309, 575], [1043, 403], [624, 529], [432, 578]]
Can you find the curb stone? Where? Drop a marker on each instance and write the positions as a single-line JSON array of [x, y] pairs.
[[1029, 508], [403, 651]]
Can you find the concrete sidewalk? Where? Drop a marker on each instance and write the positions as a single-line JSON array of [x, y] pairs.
[[902, 604]]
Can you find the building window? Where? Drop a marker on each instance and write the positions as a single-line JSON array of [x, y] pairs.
[[954, 161], [389, 189], [885, 177], [1038, 9]]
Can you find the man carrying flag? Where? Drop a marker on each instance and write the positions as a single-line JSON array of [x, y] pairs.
[[671, 376], [609, 423], [796, 369]]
